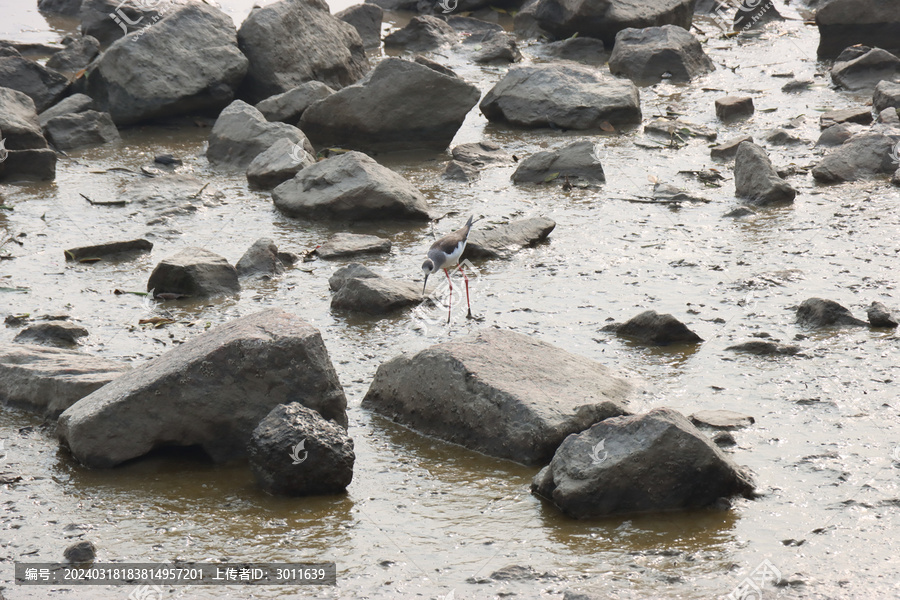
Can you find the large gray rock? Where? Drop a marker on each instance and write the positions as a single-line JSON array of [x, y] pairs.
[[77, 130], [76, 103], [44, 86], [756, 180], [290, 42], [863, 73], [59, 334], [422, 34], [605, 18], [295, 452], [351, 271], [577, 161], [366, 19], [350, 185], [289, 106], [211, 392], [650, 327], [816, 312], [342, 245], [260, 260], [50, 380], [376, 295], [186, 62], [504, 240], [844, 23], [657, 461], [520, 408], [563, 95], [130, 16], [280, 162], [26, 165], [194, 272], [887, 95], [242, 133], [77, 54], [19, 125], [426, 109], [863, 156], [646, 55]]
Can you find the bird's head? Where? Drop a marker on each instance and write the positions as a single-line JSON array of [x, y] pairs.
[[428, 268]]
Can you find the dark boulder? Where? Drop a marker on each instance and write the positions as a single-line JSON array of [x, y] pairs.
[[816, 312], [194, 272], [650, 327]]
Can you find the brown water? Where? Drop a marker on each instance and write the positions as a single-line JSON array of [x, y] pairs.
[[421, 516]]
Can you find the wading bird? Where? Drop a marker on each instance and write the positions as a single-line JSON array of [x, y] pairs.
[[445, 254]]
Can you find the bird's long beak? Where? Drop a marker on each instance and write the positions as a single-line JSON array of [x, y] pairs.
[[424, 284]]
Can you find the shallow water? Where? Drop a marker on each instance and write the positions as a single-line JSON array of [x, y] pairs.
[[422, 517]]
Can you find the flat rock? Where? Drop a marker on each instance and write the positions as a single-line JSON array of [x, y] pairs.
[[351, 271], [843, 23], [835, 135], [76, 103], [861, 115], [653, 328], [260, 260], [50, 380], [721, 419], [504, 240], [460, 171], [196, 66], [765, 348], [350, 185], [210, 392], [680, 128], [422, 34], [728, 150], [194, 272], [480, 153], [428, 106], [520, 408], [879, 316], [782, 137], [376, 295], [79, 130], [734, 107], [31, 164], [863, 73], [562, 95], [44, 86], [647, 56], [366, 18], [19, 125], [577, 161], [59, 334], [342, 245], [816, 312], [755, 179], [863, 156], [284, 159], [289, 106], [109, 249], [653, 462], [242, 133]]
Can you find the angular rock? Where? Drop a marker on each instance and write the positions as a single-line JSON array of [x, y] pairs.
[[192, 64], [721, 419], [887, 95], [241, 133], [647, 56], [835, 135], [194, 272], [423, 34], [132, 15], [657, 461], [734, 107], [843, 23], [351, 271], [500, 47], [603, 19], [110, 249], [77, 130], [764, 348], [58, 334], [260, 260], [460, 171], [728, 150], [280, 162], [863, 73], [80, 552], [376, 295], [289, 106], [50, 380], [44, 86], [435, 66], [24, 165], [480, 153], [342, 245], [427, 109], [816, 312], [366, 19], [350, 185], [562, 95], [890, 118], [504, 240], [755, 179], [862, 115], [782, 137], [587, 50], [520, 408], [577, 161], [879, 316], [77, 54], [650, 327], [211, 392], [295, 452], [863, 156], [19, 125], [76, 103], [291, 42]]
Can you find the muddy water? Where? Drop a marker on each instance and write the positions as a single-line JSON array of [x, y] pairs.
[[423, 518]]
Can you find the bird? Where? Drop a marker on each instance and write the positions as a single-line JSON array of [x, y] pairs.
[[445, 254]]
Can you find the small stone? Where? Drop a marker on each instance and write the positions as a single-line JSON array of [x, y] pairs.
[[862, 115], [721, 419], [880, 316], [80, 552], [724, 439], [734, 107]]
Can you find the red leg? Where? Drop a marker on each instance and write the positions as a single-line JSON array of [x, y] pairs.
[[468, 304], [450, 301]]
